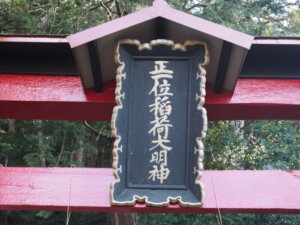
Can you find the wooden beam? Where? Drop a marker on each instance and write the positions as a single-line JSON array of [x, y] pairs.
[[62, 98], [87, 189], [223, 65], [95, 65], [160, 28]]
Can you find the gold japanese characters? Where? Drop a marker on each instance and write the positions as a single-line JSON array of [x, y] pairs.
[[160, 125]]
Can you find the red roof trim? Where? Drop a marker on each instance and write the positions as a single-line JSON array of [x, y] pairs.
[[208, 27], [111, 27], [270, 41], [161, 10], [44, 38], [33, 39], [276, 38]]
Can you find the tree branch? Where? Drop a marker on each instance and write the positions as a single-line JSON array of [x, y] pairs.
[[196, 6]]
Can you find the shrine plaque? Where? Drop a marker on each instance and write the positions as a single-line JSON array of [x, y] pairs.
[[159, 122]]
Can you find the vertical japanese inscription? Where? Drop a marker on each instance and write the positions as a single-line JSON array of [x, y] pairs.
[[161, 109]]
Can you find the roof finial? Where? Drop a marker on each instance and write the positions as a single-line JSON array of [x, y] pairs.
[[160, 3]]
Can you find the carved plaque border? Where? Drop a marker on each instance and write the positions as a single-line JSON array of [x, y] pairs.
[[122, 193]]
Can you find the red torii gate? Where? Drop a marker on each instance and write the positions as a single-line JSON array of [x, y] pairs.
[[63, 98]]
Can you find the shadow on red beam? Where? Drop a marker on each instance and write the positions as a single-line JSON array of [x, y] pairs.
[[62, 98], [252, 112], [235, 191], [80, 111]]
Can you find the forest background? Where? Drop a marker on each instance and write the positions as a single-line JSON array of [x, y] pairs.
[[229, 144]]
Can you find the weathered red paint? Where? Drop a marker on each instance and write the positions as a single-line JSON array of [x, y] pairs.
[[256, 99], [88, 188], [62, 98], [53, 98]]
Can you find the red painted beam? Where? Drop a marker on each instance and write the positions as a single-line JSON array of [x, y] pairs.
[[34, 38], [53, 98], [88, 190], [62, 98]]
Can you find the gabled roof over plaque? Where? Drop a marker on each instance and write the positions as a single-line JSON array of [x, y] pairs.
[[94, 48]]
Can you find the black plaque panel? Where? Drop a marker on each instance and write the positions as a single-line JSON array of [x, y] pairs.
[[159, 123]]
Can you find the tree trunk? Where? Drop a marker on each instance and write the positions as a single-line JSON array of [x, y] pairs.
[[3, 217], [42, 155], [12, 126], [79, 152], [238, 128], [124, 219]]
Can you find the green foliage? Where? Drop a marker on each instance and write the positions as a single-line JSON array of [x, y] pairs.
[[44, 214], [49, 218], [253, 145], [255, 17], [294, 21], [60, 17], [60, 143], [48, 16], [209, 219]]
